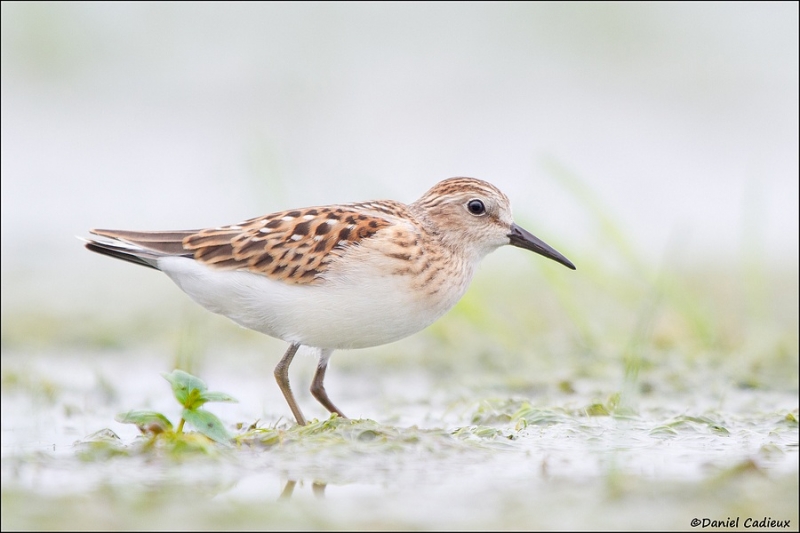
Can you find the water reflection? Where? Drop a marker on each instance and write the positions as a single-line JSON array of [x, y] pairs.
[[317, 487]]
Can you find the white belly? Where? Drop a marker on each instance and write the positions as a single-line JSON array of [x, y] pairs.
[[358, 309]]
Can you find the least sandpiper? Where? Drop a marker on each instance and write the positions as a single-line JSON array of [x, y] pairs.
[[336, 276]]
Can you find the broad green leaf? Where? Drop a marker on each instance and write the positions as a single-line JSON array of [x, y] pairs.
[[207, 424], [146, 421], [183, 384], [209, 396]]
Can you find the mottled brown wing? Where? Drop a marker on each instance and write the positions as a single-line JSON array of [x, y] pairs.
[[292, 246]]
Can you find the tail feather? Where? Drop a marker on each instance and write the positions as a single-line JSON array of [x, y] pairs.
[[139, 247], [166, 242], [120, 253]]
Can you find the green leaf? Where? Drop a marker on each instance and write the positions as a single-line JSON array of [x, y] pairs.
[[216, 397], [194, 400], [184, 385], [207, 424], [146, 421]]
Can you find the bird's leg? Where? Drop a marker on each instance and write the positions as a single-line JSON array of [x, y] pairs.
[[282, 376], [318, 388], [288, 489]]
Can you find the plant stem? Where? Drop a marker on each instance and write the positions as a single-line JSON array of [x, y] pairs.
[[180, 427]]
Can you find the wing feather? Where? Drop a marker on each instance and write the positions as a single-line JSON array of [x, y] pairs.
[[293, 246]]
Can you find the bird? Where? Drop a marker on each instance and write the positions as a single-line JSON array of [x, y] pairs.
[[335, 277]]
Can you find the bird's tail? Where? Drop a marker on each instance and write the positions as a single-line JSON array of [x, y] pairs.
[[139, 247]]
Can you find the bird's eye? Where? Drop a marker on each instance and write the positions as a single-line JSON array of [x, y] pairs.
[[476, 207]]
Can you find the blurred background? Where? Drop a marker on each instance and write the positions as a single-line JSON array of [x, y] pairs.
[[682, 119], [654, 144]]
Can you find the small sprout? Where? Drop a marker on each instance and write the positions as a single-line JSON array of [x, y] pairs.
[[192, 393]]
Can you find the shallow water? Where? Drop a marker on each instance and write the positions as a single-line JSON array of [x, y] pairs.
[[431, 458]]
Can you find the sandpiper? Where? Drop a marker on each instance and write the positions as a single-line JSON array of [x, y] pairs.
[[336, 276]]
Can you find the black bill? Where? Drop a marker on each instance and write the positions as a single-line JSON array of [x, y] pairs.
[[524, 239]]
